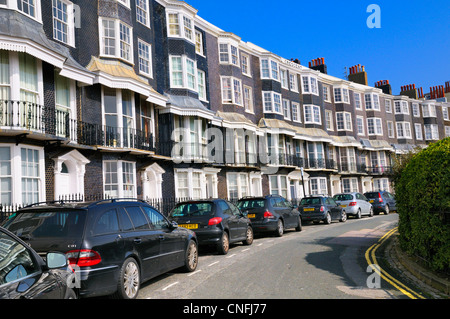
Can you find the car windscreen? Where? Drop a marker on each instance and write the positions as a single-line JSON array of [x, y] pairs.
[[310, 201], [192, 209], [371, 195], [343, 197], [250, 203], [48, 224]]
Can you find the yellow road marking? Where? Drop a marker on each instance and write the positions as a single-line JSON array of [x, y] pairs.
[[370, 253]]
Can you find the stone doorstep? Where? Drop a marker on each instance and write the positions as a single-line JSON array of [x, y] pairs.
[[424, 275]]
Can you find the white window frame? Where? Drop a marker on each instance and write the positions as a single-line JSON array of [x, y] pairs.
[[284, 78], [326, 93], [310, 85], [360, 125], [418, 131], [293, 82], [352, 184], [147, 59], [357, 99], [341, 95], [388, 106], [445, 113], [184, 30], [316, 117], [121, 183], [70, 23], [428, 110], [346, 121], [201, 83], [296, 106], [117, 40], [184, 71], [401, 107], [248, 99], [278, 189], [13, 4], [415, 109], [329, 124], [286, 109], [319, 182], [199, 43], [246, 64], [126, 3], [275, 102], [431, 132], [372, 101], [390, 129], [240, 188], [143, 13], [376, 124], [235, 90], [190, 182], [231, 58], [403, 130], [272, 69]]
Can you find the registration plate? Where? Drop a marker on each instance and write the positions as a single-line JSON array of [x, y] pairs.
[[189, 226], [251, 215], [308, 209], [371, 201], [343, 206]]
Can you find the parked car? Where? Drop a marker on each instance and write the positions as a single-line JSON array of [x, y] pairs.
[[318, 208], [216, 222], [271, 213], [355, 204], [25, 275], [382, 202], [117, 244]]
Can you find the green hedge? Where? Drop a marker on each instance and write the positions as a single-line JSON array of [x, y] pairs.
[[422, 191]]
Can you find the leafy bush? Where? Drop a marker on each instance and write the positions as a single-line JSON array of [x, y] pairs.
[[422, 191]]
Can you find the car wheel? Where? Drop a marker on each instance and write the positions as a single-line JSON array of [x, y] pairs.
[[129, 280], [371, 212], [358, 215], [249, 236], [224, 244], [280, 228], [387, 210], [70, 294], [191, 261], [299, 225], [344, 216], [328, 219]]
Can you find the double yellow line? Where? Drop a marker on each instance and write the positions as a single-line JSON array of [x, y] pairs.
[[372, 260]]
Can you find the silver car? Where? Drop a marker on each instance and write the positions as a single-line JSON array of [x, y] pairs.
[[355, 204]]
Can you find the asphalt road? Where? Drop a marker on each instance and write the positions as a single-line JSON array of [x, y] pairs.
[[321, 261]]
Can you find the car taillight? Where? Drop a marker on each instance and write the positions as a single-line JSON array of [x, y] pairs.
[[214, 221], [268, 214], [322, 208], [352, 204], [379, 198], [83, 257]]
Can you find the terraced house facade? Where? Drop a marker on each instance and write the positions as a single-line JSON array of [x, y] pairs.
[[144, 98]]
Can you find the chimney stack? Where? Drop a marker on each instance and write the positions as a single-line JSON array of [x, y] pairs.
[[384, 86], [357, 74], [410, 91], [437, 92], [318, 65]]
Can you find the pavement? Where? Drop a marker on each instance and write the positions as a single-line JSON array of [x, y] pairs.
[[436, 285]]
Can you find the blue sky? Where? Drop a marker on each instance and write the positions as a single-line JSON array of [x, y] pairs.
[[411, 47]]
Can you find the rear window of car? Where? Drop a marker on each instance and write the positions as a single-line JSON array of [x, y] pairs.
[[311, 201], [251, 203], [192, 209], [343, 197], [50, 224], [372, 195]]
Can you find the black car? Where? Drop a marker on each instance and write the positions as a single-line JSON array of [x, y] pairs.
[[271, 213], [382, 201], [115, 244], [25, 275], [215, 222], [321, 208]]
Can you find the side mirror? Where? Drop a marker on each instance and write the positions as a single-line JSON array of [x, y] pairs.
[[173, 225], [56, 260]]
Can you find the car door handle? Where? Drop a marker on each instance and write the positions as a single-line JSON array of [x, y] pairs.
[[137, 240]]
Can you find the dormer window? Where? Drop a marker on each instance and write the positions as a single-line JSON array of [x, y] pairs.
[[310, 85], [269, 69], [228, 54]]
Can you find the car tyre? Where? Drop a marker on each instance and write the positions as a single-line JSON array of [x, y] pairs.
[[299, 225], [224, 244], [386, 211], [327, 219], [191, 261], [280, 228], [343, 217], [358, 214], [248, 236], [371, 212], [129, 280]]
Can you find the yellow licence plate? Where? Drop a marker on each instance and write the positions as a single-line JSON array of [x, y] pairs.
[[251, 215], [189, 226], [371, 201], [308, 209], [343, 206]]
